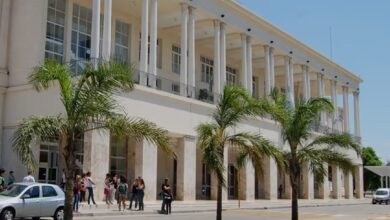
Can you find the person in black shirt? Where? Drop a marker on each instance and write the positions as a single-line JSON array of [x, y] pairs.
[[165, 193], [134, 194]]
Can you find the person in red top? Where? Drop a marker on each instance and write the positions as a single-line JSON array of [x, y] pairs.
[[76, 193]]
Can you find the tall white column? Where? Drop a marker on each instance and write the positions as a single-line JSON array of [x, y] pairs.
[[95, 32], [223, 55], [289, 79], [267, 71], [308, 183], [146, 167], [272, 67], [345, 109], [249, 63], [348, 185], [336, 181], [191, 52], [186, 169], [306, 82], [143, 63], [183, 50], [356, 114], [153, 44], [247, 182], [359, 187], [214, 179], [217, 64], [324, 187], [4, 32], [270, 178], [106, 47], [244, 66], [321, 94], [67, 31], [334, 102]]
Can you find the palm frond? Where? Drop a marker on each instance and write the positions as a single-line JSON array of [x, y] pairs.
[[43, 128], [344, 140], [139, 129], [213, 153]]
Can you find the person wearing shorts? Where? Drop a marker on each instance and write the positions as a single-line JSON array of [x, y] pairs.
[[122, 190]]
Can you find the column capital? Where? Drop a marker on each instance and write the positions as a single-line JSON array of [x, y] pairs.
[[243, 36], [191, 8], [249, 39], [216, 22], [356, 93], [184, 5]]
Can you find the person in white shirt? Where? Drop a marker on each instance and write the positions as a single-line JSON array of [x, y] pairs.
[[29, 177]]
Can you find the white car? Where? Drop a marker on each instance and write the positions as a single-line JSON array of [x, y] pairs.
[[381, 195], [32, 200]]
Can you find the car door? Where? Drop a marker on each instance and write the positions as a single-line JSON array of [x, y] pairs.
[[30, 203], [50, 200]]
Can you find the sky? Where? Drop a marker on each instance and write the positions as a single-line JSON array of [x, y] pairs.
[[361, 43]]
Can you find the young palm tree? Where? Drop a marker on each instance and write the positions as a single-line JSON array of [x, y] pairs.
[[89, 104], [306, 149], [234, 106]]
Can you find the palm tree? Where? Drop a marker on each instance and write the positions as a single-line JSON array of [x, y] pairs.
[[89, 104], [305, 148], [234, 106]]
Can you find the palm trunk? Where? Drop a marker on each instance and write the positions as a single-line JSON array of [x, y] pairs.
[[219, 201], [294, 200], [70, 164]]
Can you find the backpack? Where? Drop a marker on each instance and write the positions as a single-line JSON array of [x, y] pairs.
[[122, 188]]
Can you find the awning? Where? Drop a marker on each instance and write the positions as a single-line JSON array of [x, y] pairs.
[[379, 170]]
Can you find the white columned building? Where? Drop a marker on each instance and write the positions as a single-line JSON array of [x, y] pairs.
[[267, 70], [223, 55], [272, 67], [289, 79], [321, 93], [356, 114], [249, 65], [183, 49], [306, 82], [335, 120], [345, 109]]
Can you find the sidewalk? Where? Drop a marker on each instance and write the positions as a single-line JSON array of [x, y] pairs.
[[210, 206]]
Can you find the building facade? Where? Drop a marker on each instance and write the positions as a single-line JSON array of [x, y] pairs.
[[183, 53]]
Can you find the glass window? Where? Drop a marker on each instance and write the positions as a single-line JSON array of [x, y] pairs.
[[176, 59], [121, 41], [231, 76], [48, 191], [207, 66], [255, 93], [33, 192], [118, 155], [55, 30]]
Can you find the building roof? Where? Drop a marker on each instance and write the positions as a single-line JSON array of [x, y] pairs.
[[379, 170]]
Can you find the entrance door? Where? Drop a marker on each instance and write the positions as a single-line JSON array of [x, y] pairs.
[[232, 182], [206, 182], [48, 164]]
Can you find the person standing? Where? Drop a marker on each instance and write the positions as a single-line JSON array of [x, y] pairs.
[[11, 178], [63, 180], [107, 191], [165, 189], [89, 184], [280, 190], [2, 180], [76, 193], [122, 190], [83, 188], [141, 193], [134, 194], [29, 178]]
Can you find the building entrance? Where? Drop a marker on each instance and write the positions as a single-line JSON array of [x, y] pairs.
[[48, 164]]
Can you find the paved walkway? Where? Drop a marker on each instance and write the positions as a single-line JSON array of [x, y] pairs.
[[210, 206]]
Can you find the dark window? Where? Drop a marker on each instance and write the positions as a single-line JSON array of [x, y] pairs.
[[48, 191], [33, 192]]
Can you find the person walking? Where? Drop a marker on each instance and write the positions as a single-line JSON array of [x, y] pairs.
[[2, 180], [107, 191], [76, 193], [168, 201], [116, 183], [29, 178], [134, 194], [83, 188], [122, 189], [90, 184], [11, 178], [141, 193], [280, 191]]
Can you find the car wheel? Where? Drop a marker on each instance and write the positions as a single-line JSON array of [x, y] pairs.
[[380, 202], [7, 214], [59, 214], [36, 218], [373, 202]]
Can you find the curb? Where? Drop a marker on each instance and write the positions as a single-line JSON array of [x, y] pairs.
[[137, 213]]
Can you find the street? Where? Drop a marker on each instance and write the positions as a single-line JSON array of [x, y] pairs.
[[350, 212]]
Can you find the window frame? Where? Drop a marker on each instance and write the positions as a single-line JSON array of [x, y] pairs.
[[53, 190]]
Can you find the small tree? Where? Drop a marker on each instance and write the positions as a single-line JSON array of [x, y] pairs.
[[233, 107], [89, 104], [306, 149], [371, 180]]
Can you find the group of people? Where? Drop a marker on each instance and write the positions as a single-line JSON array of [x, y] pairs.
[[8, 180], [83, 184], [118, 187]]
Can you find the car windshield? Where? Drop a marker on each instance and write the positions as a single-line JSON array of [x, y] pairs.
[[381, 193], [13, 190]]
